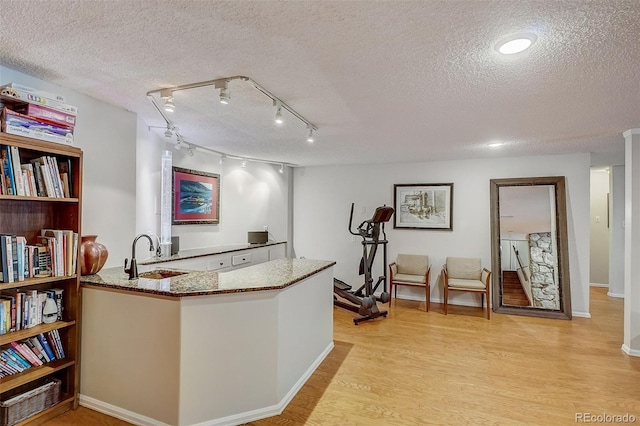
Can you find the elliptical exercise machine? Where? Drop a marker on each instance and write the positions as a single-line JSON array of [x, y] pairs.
[[363, 300]]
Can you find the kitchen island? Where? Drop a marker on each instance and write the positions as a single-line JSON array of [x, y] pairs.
[[204, 347]]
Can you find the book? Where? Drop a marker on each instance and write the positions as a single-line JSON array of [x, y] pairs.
[[7, 168], [52, 344], [56, 116], [34, 340], [45, 344], [17, 357], [26, 354], [11, 360], [40, 186], [7, 258], [45, 264], [15, 123], [37, 98], [34, 349], [55, 176], [21, 242], [10, 311], [64, 166], [30, 182], [58, 340], [26, 89], [59, 254], [17, 170]]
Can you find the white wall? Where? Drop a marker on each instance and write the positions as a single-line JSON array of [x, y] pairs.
[[107, 136], [599, 262], [250, 198], [323, 196], [616, 246]]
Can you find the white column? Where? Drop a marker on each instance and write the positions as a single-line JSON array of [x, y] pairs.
[[631, 343], [616, 233]]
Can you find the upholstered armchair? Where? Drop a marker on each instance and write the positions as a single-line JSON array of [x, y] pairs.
[[410, 270], [466, 274]]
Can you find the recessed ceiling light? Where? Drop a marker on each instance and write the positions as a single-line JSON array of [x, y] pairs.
[[515, 44]]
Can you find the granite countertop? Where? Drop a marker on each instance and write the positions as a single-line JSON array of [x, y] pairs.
[[207, 251], [273, 275]]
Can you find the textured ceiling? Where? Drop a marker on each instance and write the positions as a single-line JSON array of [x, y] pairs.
[[384, 81]]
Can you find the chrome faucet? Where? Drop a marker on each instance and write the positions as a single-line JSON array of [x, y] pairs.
[[133, 267]]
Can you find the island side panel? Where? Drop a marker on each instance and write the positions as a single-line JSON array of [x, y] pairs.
[[229, 355], [305, 330], [130, 355]]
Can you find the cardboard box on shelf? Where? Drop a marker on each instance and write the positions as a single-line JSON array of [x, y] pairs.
[[34, 98]]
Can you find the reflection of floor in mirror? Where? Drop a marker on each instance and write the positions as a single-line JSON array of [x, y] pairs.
[[422, 368], [512, 292]]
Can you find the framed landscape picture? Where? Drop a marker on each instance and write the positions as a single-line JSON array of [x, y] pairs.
[[423, 206], [196, 197]]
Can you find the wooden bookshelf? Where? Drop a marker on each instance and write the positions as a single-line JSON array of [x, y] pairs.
[[27, 216]]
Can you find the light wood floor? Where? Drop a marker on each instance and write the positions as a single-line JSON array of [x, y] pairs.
[[418, 368]]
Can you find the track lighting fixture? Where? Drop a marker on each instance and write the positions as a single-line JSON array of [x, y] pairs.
[[278, 105], [281, 169], [222, 157], [310, 137], [225, 97], [169, 106], [166, 95], [191, 150]]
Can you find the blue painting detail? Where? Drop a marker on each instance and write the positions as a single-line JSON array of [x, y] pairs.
[[195, 197]]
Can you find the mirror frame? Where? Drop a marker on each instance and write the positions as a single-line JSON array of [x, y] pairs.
[[562, 244]]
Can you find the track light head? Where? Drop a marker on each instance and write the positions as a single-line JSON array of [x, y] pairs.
[[278, 104], [278, 118], [168, 133], [169, 106], [243, 163], [222, 159], [191, 150], [281, 170], [310, 137], [225, 98]]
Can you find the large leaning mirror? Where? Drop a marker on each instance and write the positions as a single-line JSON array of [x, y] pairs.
[[530, 257]]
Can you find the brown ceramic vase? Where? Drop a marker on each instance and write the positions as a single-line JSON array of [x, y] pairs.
[[93, 255]]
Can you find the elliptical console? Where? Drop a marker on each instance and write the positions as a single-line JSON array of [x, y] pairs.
[[363, 300]]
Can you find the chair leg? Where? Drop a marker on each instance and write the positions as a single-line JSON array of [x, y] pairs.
[[446, 300], [488, 308], [426, 302], [390, 292]]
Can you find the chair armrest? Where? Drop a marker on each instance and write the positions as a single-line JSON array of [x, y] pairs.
[[393, 268], [426, 275], [486, 274], [445, 275]]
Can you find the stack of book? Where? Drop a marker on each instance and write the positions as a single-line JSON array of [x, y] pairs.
[[53, 253], [41, 177], [31, 352], [20, 310], [36, 114]]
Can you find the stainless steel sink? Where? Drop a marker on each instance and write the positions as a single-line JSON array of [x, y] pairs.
[[160, 274]]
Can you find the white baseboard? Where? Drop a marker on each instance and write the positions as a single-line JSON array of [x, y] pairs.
[[260, 413], [631, 352], [598, 285], [618, 295], [117, 412], [579, 314]]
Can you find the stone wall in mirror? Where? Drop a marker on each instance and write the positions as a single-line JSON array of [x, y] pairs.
[[529, 247]]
